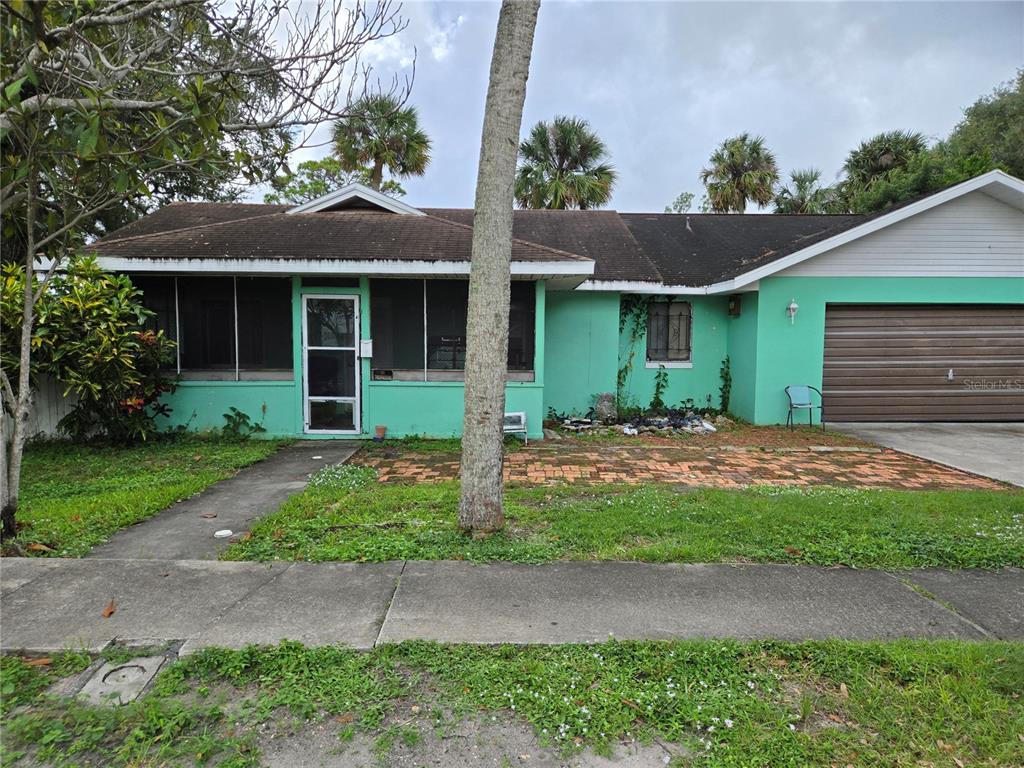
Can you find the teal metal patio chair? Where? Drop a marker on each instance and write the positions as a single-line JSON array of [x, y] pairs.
[[800, 399]]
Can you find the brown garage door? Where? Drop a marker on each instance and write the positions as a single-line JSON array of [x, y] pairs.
[[894, 363]]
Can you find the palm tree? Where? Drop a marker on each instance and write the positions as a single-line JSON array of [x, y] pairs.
[[805, 194], [563, 165], [379, 132], [875, 158], [742, 169]]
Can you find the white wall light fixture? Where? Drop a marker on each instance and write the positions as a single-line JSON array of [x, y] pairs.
[[791, 310]]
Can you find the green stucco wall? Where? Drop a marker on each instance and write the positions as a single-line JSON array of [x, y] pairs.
[[405, 408], [201, 405], [742, 349], [709, 343], [581, 354], [580, 350], [793, 353]]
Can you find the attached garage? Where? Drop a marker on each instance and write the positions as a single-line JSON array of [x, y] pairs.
[[924, 362]]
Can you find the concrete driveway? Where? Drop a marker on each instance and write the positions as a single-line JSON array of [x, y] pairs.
[[992, 450]]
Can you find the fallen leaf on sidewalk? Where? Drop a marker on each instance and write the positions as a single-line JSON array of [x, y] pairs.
[[43, 662], [109, 610], [793, 551], [245, 536], [36, 547], [843, 691], [344, 719]]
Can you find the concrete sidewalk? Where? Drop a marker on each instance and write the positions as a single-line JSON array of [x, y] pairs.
[[186, 529], [49, 604]]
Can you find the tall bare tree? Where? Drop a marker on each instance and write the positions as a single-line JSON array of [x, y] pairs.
[[480, 506], [97, 100]]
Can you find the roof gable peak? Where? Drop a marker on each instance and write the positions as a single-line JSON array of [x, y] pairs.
[[356, 195]]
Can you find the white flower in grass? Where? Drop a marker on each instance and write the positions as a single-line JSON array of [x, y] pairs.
[[728, 722], [792, 727]]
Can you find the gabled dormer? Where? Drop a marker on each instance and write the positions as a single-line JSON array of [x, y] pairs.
[[356, 197]]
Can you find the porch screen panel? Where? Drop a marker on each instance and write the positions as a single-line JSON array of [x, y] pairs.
[[447, 304], [158, 298], [521, 316], [206, 319], [396, 324], [264, 324]]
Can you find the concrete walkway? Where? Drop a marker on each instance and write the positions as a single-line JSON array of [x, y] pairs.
[[50, 604], [990, 450], [186, 529]]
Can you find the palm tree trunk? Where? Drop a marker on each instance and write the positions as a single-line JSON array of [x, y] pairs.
[[377, 175], [480, 506]]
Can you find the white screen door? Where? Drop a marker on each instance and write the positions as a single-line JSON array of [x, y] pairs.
[[330, 340]]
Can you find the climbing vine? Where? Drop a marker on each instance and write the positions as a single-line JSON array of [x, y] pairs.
[[660, 385], [726, 389], [632, 314]]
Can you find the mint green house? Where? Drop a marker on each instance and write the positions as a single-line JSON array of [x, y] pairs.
[[347, 313]]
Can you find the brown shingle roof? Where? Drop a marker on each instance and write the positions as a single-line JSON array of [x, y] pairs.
[[599, 235], [676, 249], [704, 248], [344, 235]]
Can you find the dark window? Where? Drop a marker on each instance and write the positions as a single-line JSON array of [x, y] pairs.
[[521, 326], [158, 297], [446, 324], [396, 323], [206, 313], [264, 323], [206, 309], [668, 331], [399, 334]]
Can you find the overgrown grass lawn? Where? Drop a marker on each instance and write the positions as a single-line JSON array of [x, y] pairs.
[[74, 497], [908, 703], [347, 515]]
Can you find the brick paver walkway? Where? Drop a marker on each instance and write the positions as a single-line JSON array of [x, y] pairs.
[[714, 467]]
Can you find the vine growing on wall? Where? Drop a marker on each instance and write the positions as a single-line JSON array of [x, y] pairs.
[[660, 385], [632, 314], [726, 389]]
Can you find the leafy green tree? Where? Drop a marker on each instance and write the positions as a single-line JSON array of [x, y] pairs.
[[740, 171], [994, 126], [926, 172], [563, 164], [315, 178], [682, 203], [91, 336], [805, 194], [378, 133], [874, 159], [100, 102]]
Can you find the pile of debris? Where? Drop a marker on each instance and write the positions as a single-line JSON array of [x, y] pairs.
[[673, 423]]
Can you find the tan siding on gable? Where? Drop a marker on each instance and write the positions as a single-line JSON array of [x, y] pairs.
[[971, 236]]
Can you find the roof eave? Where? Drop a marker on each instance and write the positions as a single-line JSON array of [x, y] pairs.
[[373, 267]]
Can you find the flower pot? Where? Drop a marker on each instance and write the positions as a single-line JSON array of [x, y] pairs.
[[379, 432]]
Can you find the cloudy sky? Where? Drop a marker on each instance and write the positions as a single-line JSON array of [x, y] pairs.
[[664, 83]]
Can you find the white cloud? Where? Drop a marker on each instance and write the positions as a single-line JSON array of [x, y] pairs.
[[441, 38]]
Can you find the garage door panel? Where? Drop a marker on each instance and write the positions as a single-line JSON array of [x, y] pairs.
[[910, 342], [891, 363]]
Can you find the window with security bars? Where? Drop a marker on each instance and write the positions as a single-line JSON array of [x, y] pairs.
[[668, 331]]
